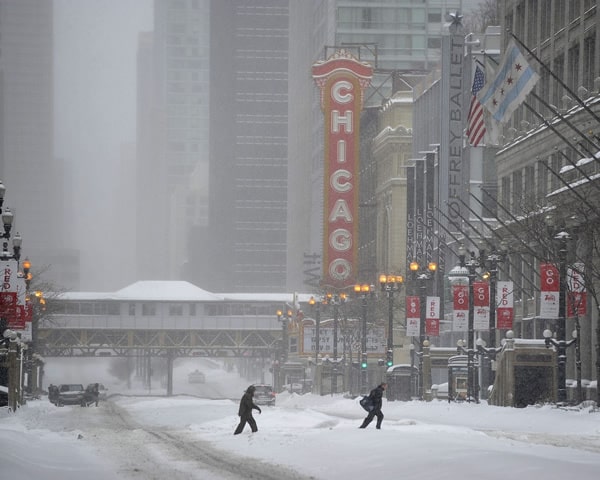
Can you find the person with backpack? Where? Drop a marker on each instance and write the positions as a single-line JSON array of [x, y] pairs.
[[376, 398], [245, 411]]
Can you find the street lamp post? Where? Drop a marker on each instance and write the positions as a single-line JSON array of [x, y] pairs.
[[422, 278], [390, 284], [561, 345], [335, 300], [363, 291], [492, 260], [284, 317], [317, 305], [472, 265]]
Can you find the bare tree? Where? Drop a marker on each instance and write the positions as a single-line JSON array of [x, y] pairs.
[[483, 16]]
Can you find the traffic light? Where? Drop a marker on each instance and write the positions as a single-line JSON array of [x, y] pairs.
[[363, 363], [390, 358]]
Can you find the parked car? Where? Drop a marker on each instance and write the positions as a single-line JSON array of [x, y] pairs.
[[264, 395], [196, 377], [70, 394]]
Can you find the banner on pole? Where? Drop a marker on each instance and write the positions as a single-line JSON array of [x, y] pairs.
[[481, 306], [460, 295], [432, 317], [413, 316], [504, 311]]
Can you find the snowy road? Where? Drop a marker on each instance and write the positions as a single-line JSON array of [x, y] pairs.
[[304, 437], [187, 437]]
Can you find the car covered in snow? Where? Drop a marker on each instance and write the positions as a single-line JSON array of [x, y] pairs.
[[264, 395], [196, 377], [70, 394]]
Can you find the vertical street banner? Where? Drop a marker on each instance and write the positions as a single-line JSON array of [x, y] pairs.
[[342, 80], [452, 167], [549, 290], [576, 291], [460, 295], [8, 294], [505, 307], [410, 214], [413, 316], [420, 212], [432, 317], [429, 206], [481, 306]]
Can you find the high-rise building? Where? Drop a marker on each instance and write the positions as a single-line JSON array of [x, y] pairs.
[[173, 125], [33, 177], [244, 246], [212, 144]]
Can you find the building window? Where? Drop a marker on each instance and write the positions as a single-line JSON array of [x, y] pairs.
[[113, 308], [86, 309], [573, 70], [517, 203], [192, 309], [132, 309], [175, 310], [589, 60], [542, 181], [148, 309], [506, 192]]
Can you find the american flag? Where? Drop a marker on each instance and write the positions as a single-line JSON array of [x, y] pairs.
[[475, 123]]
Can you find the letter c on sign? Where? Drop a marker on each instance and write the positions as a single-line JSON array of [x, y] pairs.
[[338, 95]]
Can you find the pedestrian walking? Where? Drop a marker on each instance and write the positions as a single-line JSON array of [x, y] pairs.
[[245, 412], [376, 397]]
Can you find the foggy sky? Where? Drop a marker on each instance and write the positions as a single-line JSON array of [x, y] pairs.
[[95, 103]]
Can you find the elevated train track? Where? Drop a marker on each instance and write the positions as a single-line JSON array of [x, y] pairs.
[[72, 342]]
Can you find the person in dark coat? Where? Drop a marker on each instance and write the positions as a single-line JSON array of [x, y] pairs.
[[245, 412], [377, 400], [53, 394]]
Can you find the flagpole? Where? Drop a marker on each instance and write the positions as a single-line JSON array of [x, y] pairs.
[[581, 102], [511, 264]]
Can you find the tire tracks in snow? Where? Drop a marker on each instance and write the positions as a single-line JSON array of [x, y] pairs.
[[177, 455]]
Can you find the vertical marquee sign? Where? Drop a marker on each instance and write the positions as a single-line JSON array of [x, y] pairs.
[[342, 80]]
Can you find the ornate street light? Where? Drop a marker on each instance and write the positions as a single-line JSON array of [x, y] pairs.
[[363, 291], [335, 299], [471, 265], [422, 278], [491, 262], [317, 306], [390, 284]]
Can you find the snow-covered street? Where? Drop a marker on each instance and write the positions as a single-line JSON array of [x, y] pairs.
[[187, 437]]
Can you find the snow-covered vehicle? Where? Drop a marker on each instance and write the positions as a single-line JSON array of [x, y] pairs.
[[196, 377]]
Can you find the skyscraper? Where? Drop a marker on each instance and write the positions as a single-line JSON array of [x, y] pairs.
[[34, 178]]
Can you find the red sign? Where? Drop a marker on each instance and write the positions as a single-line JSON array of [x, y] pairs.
[[504, 318], [342, 80], [481, 294], [432, 327], [576, 304], [461, 297], [550, 281]]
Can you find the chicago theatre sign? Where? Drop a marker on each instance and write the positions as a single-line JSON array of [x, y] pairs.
[[342, 80]]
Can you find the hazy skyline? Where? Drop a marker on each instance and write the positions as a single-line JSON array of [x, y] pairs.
[[95, 47]]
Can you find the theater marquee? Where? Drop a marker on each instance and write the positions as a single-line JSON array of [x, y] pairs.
[[342, 80]]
